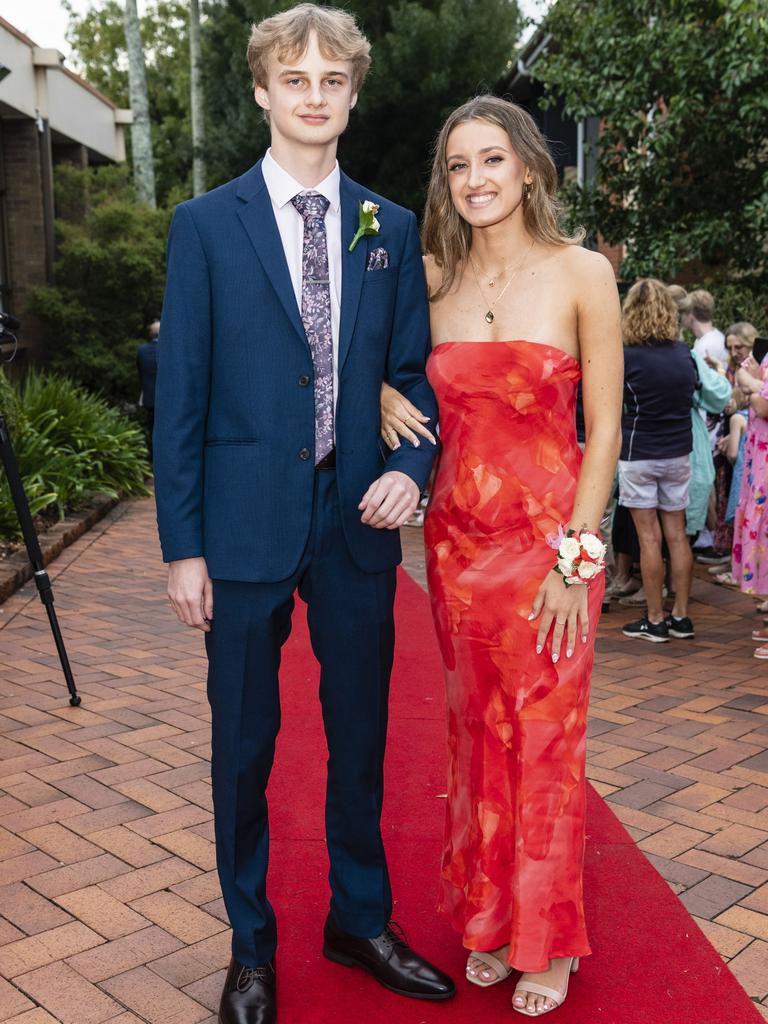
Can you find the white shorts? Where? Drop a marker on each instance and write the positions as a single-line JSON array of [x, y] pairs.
[[655, 483]]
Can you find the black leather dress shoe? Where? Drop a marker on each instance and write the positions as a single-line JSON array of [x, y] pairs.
[[390, 960], [250, 995]]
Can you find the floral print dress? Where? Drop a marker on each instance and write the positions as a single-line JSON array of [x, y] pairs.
[[750, 531], [506, 480]]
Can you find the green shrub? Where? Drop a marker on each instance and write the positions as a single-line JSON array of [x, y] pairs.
[[109, 277], [70, 446], [9, 400], [735, 302]]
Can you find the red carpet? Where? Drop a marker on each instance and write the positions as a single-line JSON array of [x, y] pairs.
[[651, 964]]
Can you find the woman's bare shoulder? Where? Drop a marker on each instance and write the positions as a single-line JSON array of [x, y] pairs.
[[587, 266]]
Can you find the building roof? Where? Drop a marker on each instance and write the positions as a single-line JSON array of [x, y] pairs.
[[39, 86], [69, 73]]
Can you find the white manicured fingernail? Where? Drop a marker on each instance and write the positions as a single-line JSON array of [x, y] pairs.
[[568, 653], [538, 648], [555, 658], [531, 616]]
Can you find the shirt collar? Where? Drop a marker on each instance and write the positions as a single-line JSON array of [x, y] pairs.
[[282, 187]]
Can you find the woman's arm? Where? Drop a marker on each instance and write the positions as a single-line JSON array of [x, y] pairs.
[[747, 382], [602, 370], [737, 428], [760, 405], [563, 609]]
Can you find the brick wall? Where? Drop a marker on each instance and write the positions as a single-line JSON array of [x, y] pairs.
[[24, 210], [613, 253]]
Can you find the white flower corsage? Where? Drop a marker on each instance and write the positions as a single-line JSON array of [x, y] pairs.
[[368, 225], [580, 557]]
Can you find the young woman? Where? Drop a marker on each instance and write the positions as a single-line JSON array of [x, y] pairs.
[[519, 313]]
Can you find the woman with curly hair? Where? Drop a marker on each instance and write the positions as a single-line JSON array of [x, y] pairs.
[[655, 462]]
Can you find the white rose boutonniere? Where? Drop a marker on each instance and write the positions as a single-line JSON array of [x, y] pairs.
[[368, 225]]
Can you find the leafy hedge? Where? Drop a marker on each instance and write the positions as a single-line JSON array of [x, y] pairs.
[[108, 281], [70, 446]]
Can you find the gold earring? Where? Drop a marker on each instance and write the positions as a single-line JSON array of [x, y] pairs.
[[527, 189]]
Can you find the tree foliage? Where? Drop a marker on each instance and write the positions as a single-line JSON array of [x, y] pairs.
[[99, 53], [681, 87], [428, 56], [109, 276]]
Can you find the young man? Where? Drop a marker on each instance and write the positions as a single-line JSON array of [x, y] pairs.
[[270, 479], [697, 316]]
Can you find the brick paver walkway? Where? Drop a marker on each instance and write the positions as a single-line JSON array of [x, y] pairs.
[[109, 900]]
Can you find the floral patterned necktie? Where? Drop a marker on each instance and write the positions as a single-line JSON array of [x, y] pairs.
[[316, 312]]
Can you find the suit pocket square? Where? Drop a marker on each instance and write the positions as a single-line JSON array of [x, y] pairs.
[[378, 259]]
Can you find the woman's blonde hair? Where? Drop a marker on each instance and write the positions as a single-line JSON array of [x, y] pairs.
[[286, 35], [445, 234], [649, 314], [744, 331]]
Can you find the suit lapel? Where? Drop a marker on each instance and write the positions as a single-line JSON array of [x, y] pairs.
[[352, 264], [259, 221]]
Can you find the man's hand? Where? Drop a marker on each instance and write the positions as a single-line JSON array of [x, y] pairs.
[[389, 501], [190, 592]]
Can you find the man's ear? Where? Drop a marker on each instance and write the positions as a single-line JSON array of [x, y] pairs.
[[261, 96], [352, 100]]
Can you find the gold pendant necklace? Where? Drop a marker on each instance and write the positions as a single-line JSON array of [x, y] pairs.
[[489, 316]]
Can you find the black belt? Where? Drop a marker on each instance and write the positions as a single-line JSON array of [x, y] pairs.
[[328, 461]]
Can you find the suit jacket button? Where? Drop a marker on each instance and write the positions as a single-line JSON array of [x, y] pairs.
[[304, 454], [303, 380]]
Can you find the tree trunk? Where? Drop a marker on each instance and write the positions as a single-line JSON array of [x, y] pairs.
[[141, 130], [196, 97]]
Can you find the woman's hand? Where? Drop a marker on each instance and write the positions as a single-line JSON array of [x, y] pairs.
[[746, 380], [566, 607], [715, 364], [399, 416], [753, 368]]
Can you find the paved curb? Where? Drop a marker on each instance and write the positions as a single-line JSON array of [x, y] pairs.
[[16, 569]]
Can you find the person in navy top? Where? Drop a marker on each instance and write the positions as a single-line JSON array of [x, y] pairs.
[[660, 378], [146, 364]]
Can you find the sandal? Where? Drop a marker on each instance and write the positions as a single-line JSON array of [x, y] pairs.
[[618, 590], [726, 579], [501, 969], [558, 998], [760, 636], [761, 653]]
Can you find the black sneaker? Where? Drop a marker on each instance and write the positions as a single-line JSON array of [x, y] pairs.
[[644, 629], [681, 628]]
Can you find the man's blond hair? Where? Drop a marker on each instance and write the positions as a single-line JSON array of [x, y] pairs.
[[701, 305], [286, 36]]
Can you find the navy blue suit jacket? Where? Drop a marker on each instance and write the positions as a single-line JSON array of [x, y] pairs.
[[234, 424]]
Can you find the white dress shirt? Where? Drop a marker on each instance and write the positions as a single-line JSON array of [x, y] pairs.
[[712, 344], [282, 188]]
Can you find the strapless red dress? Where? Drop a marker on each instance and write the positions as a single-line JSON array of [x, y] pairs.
[[506, 479]]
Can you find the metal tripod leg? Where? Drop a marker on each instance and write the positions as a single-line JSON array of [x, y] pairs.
[[34, 553]]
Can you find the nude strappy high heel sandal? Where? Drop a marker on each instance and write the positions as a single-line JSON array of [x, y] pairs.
[[558, 998], [502, 970]]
